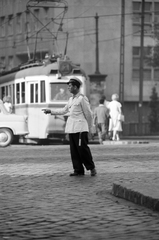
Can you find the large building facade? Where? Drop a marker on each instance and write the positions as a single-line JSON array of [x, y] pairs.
[[33, 32]]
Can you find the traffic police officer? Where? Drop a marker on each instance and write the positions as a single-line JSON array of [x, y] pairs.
[[78, 124]]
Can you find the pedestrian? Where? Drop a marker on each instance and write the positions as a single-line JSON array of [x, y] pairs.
[[100, 120], [8, 104], [106, 103], [114, 112], [79, 123]]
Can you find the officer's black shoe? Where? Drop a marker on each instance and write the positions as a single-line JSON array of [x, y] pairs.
[[93, 172], [76, 174]]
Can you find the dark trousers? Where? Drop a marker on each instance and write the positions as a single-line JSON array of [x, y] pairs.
[[102, 131], [80, 152]]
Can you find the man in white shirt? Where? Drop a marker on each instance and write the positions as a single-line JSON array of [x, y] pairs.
[[78, 124]]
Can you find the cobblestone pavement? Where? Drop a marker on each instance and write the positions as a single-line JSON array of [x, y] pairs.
[[38, 199]]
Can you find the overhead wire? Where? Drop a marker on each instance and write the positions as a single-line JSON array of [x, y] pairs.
[[75, 31], [48, 24], [78, 17], [87, 34]]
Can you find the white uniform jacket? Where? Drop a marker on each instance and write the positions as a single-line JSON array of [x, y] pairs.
[[79, 114]]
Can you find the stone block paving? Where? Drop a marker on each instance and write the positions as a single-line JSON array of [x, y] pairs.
[[38, 199]]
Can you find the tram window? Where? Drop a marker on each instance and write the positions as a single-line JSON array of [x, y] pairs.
[[17, 93], [59, 92], [42, 95], [9, 90], [3, 92], [36, 92], [32, 93], [6, 90], [23, 92], [13, 94]]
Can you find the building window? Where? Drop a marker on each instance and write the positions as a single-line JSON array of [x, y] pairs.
[[156, 74], [19, 23], [147, 69], [147, 18], [156, 17], [2, 64], [46, 17], [36, 21], [10, 25], [28, 29], [136, 6], [2, 25], [136, 17], [149, 72]]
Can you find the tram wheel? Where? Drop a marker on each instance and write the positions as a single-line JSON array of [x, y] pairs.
[[6, 137]]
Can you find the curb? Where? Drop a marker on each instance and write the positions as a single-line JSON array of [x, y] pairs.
[[142, 195], [124, 142]]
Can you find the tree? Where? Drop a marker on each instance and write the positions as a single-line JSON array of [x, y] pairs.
[[154, 111]]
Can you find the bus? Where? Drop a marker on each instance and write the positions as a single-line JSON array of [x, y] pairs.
[[35, 86]]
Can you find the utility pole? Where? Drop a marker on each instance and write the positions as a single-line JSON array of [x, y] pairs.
[[97, 48], [122, 52], [97, 80], [141, 68]]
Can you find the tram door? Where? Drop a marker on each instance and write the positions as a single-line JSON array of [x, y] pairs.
[[33, 110]]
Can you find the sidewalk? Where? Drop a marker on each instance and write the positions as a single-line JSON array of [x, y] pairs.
[[144, 194], [141, 193], [128, 140], [141, 138]]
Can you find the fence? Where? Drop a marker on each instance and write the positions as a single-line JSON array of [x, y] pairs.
[[132, 129]]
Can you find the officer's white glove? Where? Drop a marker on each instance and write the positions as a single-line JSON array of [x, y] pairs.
[[46, 111]]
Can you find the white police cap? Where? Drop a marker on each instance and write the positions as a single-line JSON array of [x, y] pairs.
[[75, 80]]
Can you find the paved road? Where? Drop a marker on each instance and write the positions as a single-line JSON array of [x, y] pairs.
[[38, 199]]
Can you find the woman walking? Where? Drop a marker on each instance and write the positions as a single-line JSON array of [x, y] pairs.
[[115, 112]]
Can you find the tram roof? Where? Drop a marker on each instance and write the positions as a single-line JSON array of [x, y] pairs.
[[29, 70], [35, 71]]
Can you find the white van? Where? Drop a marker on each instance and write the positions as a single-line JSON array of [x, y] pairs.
[[11, 125]]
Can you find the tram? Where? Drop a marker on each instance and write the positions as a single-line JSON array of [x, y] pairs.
[[35, 86]]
